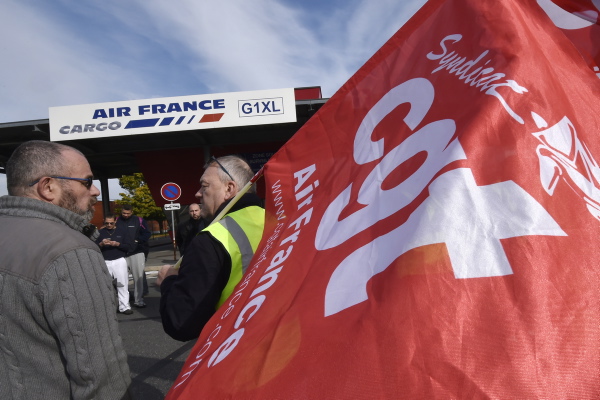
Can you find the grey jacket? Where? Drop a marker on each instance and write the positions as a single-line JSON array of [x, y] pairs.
[[59, 337]]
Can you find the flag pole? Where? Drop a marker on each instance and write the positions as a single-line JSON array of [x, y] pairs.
[[229, 205]]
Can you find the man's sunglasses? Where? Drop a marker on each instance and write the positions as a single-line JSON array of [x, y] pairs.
[[222, 167], [87, 182]]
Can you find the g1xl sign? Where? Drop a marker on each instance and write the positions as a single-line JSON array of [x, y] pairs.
[[219, 110]]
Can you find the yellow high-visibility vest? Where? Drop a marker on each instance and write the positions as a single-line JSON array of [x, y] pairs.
[[240, 233]]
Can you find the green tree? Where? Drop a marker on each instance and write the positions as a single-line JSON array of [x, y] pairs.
[[138, 195]]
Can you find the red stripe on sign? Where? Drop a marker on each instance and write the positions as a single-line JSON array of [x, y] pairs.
[[211, 117]]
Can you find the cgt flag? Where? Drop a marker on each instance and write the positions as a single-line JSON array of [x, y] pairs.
[[579, 20], [431, 231]]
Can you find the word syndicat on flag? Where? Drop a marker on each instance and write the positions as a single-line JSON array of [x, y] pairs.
[[431, 231]]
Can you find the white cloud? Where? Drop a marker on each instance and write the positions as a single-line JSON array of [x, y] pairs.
[[46, 64], [61, 53], [241, 45]]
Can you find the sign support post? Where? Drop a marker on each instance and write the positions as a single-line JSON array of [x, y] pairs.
[[171, 192], [174, 233]]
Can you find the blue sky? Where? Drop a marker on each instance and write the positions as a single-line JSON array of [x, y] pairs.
[[58, 52]]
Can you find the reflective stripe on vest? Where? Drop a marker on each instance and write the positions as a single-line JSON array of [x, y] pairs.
[[241, 239], [239, 233]]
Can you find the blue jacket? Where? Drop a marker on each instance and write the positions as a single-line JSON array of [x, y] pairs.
[[137, 235], [112, 252]]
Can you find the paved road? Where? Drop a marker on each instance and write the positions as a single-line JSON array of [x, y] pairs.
[[154, 358]]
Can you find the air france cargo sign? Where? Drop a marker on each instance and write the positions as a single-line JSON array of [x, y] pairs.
[[169, 114]]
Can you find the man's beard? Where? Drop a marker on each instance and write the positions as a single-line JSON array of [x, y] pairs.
[[69, 202]]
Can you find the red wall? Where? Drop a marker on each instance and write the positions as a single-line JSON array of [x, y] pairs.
[[308, 93], [182, 166], [185, 166]]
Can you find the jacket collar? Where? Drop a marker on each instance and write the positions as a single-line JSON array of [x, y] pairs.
[[247, 200]]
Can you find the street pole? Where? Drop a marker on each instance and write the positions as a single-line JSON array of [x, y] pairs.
[[171, 191], [174, 240]]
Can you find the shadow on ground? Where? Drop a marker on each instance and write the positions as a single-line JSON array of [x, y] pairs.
[[155, 359]]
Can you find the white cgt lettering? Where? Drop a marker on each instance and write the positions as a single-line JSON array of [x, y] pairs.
[[469, 219], [435, 139]]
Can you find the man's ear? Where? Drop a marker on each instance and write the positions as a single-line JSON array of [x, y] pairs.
[[231, 190], [47, 189]]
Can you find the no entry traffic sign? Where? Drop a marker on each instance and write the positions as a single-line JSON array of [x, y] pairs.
[[170, 191]]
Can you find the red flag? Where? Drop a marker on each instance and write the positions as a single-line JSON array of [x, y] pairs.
[[580, 22], [431, 231]]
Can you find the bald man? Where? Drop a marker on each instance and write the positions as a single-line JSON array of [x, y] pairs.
[[59, 332], [189, 228]]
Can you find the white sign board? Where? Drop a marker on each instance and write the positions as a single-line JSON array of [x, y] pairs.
[[172, 206], [170, 114]]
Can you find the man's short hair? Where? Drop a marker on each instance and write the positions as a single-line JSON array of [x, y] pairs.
[[236, 166], [33, 160], [127, 207], [109, 216]]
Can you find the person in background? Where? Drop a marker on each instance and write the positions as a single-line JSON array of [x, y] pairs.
[[114, 250], [190, 228], [59, 337], [217, 257], [137, 236]]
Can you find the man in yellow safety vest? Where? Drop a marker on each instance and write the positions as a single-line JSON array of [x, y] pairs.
[[218, 256]]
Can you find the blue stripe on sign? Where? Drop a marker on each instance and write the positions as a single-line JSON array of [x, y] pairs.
[[171, 191], [191, 119], [142, 123], [166, 121], [180, 120]]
